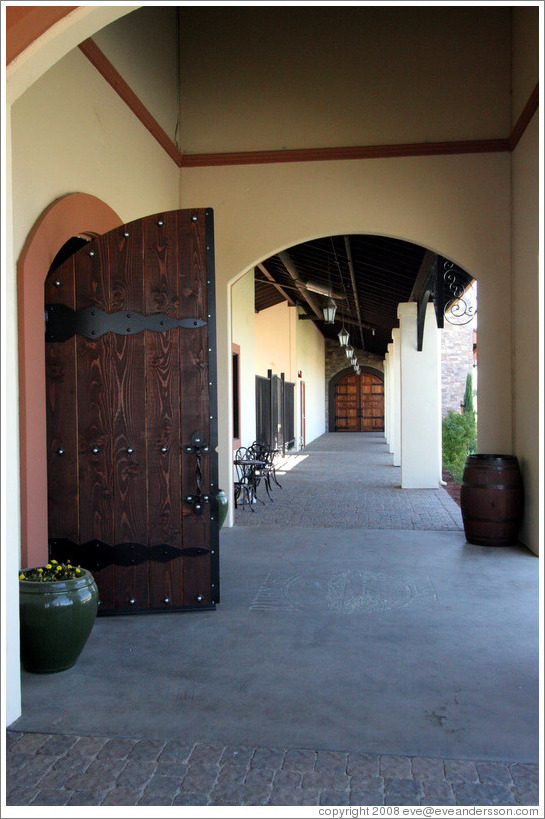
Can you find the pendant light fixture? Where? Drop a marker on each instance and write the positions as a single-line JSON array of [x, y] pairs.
[[343, 337], [349, 351], [329, 311]]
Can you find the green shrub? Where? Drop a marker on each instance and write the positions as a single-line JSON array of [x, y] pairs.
[[459, 441], [468, 395]]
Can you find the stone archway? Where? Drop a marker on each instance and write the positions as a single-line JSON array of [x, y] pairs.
[[72, 215]]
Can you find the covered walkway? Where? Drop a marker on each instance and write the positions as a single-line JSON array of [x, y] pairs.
[[362, 654], [347, 481]]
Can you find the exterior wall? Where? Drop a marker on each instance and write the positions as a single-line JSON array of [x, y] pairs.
[[336, 360], [310, 361], [275, 340], [441, 203], [389, 75], [243, 334], [525, 276], [88, 141], [132, 44], [456, 363]]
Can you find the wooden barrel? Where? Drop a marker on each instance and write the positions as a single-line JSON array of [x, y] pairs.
[[492, 499]]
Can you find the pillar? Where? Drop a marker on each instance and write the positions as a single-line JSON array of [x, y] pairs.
[[420, 379], [395, 405], [386, 388]]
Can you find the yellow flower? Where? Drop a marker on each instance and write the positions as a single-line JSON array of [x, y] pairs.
[[21, 576], [40, 570], [58, 569], [53, 561], [78, 571], [48, 566]]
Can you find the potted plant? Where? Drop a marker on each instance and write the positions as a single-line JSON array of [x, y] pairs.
[[58, 605]]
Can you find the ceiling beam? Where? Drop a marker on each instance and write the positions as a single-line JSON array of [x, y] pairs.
[[299, 283], [353, 281], [421, 281], [279, 287]]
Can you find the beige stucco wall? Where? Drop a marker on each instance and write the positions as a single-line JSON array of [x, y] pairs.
[[311, 363], [442, 203], [275, 340], [526, 325], [133, 44], [525, 55], [526, 263], [319, 77], [71, 132], [243, 334]]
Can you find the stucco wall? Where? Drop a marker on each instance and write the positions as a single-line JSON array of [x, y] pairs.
[[143, 46], [526, 389], [275, 340], [361, 75], [442, 203], [71, 132], [243, 334], [526, 270], [311, 363]]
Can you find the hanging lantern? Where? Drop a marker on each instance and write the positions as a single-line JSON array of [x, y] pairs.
[[343, 337], [329, 311], [349, 352]]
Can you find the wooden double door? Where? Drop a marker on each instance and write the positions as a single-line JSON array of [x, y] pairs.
[[359, 403], [131, 413]]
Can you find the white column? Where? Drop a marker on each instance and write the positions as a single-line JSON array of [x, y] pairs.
[[396, 397], [386, 398], [420, 375]]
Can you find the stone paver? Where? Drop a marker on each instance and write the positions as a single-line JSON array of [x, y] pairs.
[[107, 771], [47, 769], [313, 480]]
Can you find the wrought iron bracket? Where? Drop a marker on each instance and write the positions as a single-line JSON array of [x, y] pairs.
[[199, 448], [61, 322], [96, 554]]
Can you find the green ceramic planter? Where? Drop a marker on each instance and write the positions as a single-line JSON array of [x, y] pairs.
[[223, 506], [56, 619]]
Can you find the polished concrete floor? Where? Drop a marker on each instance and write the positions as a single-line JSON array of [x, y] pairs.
[[393, 641]]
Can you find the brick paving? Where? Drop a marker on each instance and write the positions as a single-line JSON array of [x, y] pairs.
[[46, 769], [332, 485]]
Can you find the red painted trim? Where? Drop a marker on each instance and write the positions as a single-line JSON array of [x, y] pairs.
[[524, 120], [357, 152], [24, 24], [112, 76], [72, 215]]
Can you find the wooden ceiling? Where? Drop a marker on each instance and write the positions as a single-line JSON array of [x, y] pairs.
[[368, 276]]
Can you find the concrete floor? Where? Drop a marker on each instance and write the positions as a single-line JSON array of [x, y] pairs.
[[392, 641]]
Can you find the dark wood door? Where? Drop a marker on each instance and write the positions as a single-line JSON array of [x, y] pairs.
[[359, 403], [131, 413]]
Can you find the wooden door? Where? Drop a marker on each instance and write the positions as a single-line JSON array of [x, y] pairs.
[[372, 403], [347, 404], [359, 403], [131, 413]]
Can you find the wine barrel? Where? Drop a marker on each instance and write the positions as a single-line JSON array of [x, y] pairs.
[[492, 499]]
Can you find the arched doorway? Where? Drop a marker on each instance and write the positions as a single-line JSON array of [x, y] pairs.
[[356, 402], [76, 214], [359, 403]]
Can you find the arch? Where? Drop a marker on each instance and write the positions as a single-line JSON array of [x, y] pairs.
[[71, 215], [334, 380]]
